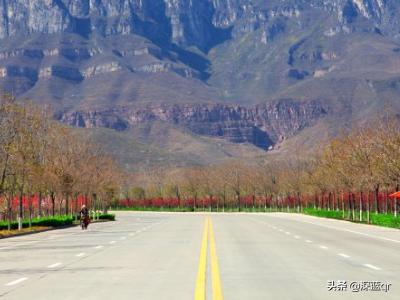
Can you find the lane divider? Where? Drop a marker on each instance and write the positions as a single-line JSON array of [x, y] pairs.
[[372, 267], [208, 239], [54, 265], [16, 281], [344, 255]]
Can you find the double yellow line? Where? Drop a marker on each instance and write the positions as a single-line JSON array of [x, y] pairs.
[[200, 293]]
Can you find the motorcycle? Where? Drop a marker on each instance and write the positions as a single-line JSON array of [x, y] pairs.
[[85, 220]]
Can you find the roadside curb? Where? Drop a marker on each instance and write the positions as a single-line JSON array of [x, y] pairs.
[[37, 231], [50, 229]]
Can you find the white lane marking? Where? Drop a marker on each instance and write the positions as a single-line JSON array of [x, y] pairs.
[[16, 281], [54, 265], [281, 230], [19, 245], [372, 267], [308, 241], [287, 232], [297, 237], [351, 231], [344, 255], [112, 242], [132, 234], [98, 247], [123, 238], [81, 254], [274, 227], [323, 247]]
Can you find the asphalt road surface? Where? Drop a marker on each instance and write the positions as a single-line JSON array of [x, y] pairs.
[[197, 256]]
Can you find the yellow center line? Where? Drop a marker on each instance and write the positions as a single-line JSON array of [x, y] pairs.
[[200, 292], [215, 276]]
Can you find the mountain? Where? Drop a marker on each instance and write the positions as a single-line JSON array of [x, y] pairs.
[[261, 74]]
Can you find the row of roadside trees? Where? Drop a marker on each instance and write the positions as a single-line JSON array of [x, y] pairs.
[[46, 167], [353, 173]]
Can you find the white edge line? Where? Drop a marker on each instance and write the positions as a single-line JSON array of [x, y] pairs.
[[351, 231], [81, 254], [16, 281]]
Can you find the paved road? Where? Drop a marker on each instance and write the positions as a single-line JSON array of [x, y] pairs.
[[183, 256]]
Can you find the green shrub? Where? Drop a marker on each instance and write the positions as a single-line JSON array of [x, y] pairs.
[[332, 214], [110, 217], [386, 220], [56, 221]]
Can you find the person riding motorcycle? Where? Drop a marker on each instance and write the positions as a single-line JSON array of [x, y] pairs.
[[84, 213]]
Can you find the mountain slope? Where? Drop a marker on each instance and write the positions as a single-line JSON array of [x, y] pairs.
[[103, 63]]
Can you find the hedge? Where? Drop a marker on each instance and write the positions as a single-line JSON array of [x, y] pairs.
[[56, 221]]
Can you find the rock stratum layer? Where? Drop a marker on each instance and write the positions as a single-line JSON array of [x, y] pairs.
[[262, 125]]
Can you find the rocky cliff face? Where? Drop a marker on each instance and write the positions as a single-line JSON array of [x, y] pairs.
[[76, 40], [262, 125], [184, 22]]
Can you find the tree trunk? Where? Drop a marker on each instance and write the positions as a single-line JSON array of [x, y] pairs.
[[386, 203], [265, 203], [3, 174], [368, 208], [361, 208], [40, 205], [53, 204], [376, 200], [342, 198], [223, 201], [30, 209], [66, 204], [20, 209], [298, 202], [9, 210]]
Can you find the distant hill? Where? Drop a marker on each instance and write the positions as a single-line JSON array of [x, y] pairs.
[[265, 74]]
